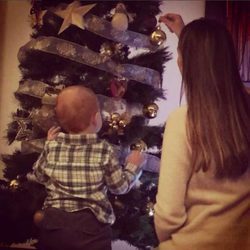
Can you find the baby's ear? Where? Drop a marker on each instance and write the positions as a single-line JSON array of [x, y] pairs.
[[97, 121], [95, 118]]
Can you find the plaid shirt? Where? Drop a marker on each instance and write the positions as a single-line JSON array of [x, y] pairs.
[[77, 170]]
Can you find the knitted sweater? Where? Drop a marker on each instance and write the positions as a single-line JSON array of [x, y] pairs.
[[194, 210]]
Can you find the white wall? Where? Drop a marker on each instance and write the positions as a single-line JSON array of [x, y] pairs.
[[15, 31]]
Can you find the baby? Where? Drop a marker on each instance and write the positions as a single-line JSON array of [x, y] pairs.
[[77, 168]]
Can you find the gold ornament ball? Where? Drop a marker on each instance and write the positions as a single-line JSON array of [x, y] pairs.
[[115, 117], [14, 184], [114, 122], [139, 145], [158, 37], [122, 123], [150, 208], [115, 127], [106, 50], [150, 111]]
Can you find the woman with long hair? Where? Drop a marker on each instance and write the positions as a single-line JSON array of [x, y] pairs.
[[203, 199]]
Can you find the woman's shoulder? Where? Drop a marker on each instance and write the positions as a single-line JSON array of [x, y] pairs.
[[176, 121], [178, 113]]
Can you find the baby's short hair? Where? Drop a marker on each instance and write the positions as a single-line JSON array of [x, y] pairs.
[[76, 106]]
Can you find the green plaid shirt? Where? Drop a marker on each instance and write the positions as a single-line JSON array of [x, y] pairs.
[[77, 170]]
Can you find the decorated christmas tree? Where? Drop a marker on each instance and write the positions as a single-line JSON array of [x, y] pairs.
[[117, 50]]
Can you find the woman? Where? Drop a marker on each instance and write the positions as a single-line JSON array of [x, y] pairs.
[[203, 200]]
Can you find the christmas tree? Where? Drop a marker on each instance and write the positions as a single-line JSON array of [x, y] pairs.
[[117, 50]]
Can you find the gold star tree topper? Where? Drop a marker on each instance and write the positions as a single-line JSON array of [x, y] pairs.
[[73, 14]]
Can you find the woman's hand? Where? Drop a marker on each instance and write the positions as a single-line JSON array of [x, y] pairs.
[[174, 22]]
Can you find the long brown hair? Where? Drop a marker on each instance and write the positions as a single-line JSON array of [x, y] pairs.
[[218, 117]]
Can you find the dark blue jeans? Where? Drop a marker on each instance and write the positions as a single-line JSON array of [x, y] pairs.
[[73, 231]]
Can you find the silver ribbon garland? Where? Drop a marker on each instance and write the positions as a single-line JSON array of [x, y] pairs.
[[48, 95], [41, 90], [32, 88], [44, 117], [111, 105], [84, 55], [105, 29]]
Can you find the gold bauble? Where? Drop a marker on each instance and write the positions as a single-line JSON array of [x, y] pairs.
[[114, 122], [150, 110], [117, 123], [158, 36], [122, 123], [106, 50], [139, 145], [115, 117], [150, 208], [115, 127], [14, 184]]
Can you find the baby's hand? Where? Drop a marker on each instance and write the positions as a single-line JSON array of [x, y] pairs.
[[174, 22], [52, 133], [136, 157]]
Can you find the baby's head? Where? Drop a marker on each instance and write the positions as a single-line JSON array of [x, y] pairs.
[[77, 110]]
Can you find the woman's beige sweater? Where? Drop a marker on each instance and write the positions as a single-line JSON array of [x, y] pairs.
[[195, 211]]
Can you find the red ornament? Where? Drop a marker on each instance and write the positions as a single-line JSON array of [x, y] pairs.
[[118, 87]]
